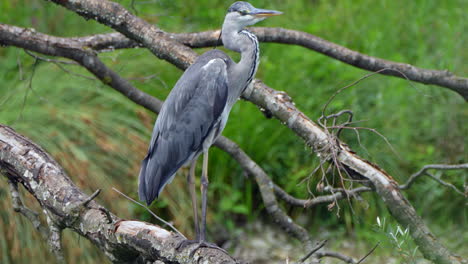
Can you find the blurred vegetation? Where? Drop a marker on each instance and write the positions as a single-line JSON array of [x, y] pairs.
[[99, 136]]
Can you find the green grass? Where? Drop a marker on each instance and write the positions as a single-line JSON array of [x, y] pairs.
[[99, 136]]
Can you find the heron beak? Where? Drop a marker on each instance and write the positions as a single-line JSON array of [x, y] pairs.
[[265, 13]]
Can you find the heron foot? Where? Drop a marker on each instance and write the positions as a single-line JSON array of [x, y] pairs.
[[200, 244]]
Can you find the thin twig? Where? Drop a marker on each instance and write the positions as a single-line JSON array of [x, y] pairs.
[[151, 212], [337, 194], [370, 252], [315, 249], [423, 171], [336, 255], [373, 131], [35, 56], [90, 198], [60, 64], [25, 97]]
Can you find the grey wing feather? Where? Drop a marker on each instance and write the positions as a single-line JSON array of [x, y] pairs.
[[191, 110]]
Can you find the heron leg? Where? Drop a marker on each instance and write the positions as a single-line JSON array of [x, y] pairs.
[[193, 194], [204, 191], [200, 241]]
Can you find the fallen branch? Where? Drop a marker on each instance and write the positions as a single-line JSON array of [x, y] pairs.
[[66, 206]]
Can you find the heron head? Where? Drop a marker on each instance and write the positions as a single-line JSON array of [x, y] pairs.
[[245, 14]]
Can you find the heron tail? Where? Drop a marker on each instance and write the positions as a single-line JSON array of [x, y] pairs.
[[149, 180], [142, 194]]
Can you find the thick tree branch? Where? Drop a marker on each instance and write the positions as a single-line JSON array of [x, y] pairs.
[[282, 108], [442, 78], [122, 241], [28, 39], [117, 17], [72, 49], [351, 57]]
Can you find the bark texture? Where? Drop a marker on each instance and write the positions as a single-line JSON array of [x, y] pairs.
[[168, 47], [66, 206]]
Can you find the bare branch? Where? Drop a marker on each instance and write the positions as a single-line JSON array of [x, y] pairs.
[[383, 183], [60, 65], [55, 240], [59, 47], [122, 241], [342, 257], [266, 189], [442, 78], [370, 252], [373, 64], [32, 216], [424, 170], [315, 249], [115, 16], [67, 48], [308, 203]]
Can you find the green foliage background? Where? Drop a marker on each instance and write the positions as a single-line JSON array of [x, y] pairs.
[[100, 137]]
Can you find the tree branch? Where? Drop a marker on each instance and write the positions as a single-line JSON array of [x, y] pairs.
[[443, 78], [287, 36], [282, 108], [64, 205], [308, 203], [336, 255], [266, 189], [424, 170], [342, 193], [28, 39], [117, 17], [32, 216], [72, 49]]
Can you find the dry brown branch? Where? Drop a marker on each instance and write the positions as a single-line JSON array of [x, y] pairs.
[[66, 206]]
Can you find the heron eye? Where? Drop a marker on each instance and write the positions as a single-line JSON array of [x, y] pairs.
[[243, 12]]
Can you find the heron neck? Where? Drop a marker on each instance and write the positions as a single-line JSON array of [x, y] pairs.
[[243, 72]]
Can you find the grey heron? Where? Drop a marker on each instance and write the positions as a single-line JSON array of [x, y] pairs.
[[197, 109]]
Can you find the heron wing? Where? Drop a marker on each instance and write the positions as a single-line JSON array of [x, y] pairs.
[[191, 110]]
